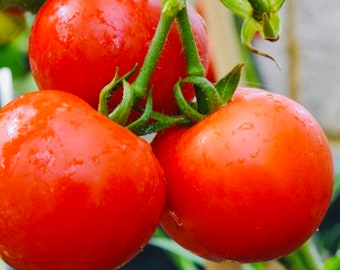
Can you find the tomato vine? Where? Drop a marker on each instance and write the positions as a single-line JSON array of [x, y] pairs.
[[209, 97]]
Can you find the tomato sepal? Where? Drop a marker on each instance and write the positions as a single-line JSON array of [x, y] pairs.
[[145, 116], [227, 85], [107, 92], [260, 16]]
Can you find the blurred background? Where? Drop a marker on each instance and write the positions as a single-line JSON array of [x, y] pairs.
[[307, 53]]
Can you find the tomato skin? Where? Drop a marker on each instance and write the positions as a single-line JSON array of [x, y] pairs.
[[77, 190], [251, 182], [92, 38]]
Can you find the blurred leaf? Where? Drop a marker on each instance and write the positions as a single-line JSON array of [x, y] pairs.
[[11, 25], [13, 59], [336, 186], [173, 248], [333, 263], [28, 5]]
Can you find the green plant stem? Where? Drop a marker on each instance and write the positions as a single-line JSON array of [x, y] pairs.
[[293, 261], [141, 83], [311, 256], [306, 257], [193, 62], [137, 90]]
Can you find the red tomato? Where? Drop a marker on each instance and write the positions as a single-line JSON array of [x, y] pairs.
[[76, 46], [251, 182], [77, 190]]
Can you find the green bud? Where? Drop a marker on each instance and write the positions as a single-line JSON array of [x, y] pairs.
[[260, 16]]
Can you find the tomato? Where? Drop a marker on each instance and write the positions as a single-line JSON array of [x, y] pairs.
[[77, 190], [251, 182], [92, 38]]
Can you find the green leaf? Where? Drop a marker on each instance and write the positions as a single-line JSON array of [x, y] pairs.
[[228, 84], [336, 191], [333, 263]]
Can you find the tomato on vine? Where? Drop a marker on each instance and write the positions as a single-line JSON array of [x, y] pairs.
[[92, 38], [250, 182], [78, 191], [248, 178]]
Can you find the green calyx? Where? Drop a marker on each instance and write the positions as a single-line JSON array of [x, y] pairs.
[[138, 89], [209, 97], [260, 16]]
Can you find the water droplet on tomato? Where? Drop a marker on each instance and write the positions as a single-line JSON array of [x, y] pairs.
[[202, 140], [247, 126], [123, 146], [255, 154], [244, 126], [279, 106], [226, 146], [240, 160]]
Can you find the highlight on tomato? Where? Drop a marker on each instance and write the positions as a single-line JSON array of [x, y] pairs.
[[250, 182], [78, 191]]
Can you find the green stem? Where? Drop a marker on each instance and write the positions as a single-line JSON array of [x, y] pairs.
[[168, 15], [194, 65], [293, 261], [306, 257], [311, 256]]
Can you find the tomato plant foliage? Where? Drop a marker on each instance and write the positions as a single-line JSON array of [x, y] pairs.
[[251, 182], [77, 190], [92, 38]]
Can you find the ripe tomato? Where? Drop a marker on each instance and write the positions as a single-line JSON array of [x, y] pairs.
[[91, 38], [251, 182], [77, 190]]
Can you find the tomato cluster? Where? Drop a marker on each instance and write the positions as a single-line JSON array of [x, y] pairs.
[[250, 182]]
